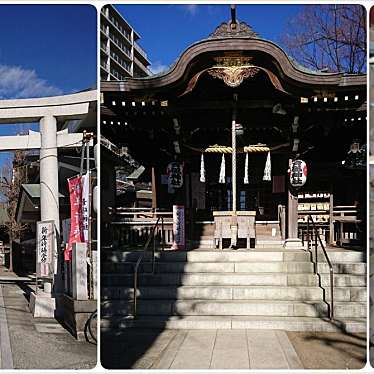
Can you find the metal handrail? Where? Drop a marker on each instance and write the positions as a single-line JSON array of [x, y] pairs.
[[140, 259], [316, 235]]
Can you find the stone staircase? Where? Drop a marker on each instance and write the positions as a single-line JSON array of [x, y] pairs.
[[266, 288]]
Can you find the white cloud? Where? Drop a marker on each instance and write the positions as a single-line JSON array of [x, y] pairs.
[[158, 67], [18, 83], [190, 8]]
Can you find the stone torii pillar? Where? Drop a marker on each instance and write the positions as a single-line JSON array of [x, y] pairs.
[[47, 111]]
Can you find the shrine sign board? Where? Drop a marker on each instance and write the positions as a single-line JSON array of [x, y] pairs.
[[45, 232], [298, 173], [179, 240]]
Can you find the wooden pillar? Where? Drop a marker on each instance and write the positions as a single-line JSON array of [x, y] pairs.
[[234, 219], [154, 189]]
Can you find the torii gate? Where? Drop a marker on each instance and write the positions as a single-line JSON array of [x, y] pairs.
[[47, 111]]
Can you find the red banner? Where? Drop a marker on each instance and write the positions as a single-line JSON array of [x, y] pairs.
[[76, 232]]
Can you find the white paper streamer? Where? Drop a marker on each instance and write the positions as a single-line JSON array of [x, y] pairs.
[[246, 178], [222, 172], [202, 169], [267, 170]]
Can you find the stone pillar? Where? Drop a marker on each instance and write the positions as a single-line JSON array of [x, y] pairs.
[[94, 271], [292, 240], [79, 271], [49, 204]]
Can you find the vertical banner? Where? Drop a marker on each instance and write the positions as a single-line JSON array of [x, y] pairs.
[[175, 175], [178, 227], [45, 232], [85, 205], [76, 234]]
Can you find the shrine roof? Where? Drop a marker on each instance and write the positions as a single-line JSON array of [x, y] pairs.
[[243, 41]]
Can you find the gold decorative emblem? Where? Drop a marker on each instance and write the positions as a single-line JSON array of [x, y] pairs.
[[233, 69]]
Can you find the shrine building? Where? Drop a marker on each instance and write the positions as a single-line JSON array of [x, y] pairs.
[[254, 156]]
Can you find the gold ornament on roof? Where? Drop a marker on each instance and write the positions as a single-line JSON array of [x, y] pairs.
[[233, 69]]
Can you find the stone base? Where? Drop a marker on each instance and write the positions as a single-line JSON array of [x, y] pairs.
[[76, 314], [293, 243], [42, 305]]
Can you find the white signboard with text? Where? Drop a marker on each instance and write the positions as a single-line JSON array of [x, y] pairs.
[[178, 227], [45, 232]]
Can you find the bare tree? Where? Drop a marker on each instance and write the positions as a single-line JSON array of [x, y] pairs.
[[14, 175], [328, 37]]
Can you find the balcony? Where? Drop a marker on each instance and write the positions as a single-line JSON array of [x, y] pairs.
[[122, 64], [120, 46], [119, 29], [104, 48], [104, 29], [140, 50], [105, 66], [141, 66]]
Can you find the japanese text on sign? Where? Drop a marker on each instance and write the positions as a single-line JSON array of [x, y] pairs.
[[178, 227], [45, 242], [298, 173], [175, 175]]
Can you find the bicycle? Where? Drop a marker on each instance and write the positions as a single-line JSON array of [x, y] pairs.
[[90, 328]]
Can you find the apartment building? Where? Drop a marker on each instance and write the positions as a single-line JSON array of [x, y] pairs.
[[120, 54]]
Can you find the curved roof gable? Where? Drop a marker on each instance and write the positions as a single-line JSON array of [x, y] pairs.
[[239, 38]]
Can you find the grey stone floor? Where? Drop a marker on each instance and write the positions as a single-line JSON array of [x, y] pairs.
[[231, 349], [28, 343]]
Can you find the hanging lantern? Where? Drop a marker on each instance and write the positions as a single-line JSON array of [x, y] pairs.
[[222, 172], [175, 175], [202, 169], [267, 170], [298, 173], [246, 178]]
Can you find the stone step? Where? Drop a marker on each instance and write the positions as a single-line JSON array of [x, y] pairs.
[[217, 293], [342, 255], [209, 255], [207, 242], [354, 268], [235, 293], [347, 294], [349, 325], [234, 279], [344, 280], [213, 267], [256, 267], [233, 308], [219, 279]]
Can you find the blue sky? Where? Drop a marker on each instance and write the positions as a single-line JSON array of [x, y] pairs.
[[45, 50], [166, 30]]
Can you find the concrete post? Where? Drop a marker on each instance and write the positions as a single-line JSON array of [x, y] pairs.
[[49, 204], [79, 271]]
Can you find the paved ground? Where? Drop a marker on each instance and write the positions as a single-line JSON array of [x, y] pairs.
[[28, 343], [231, 349]]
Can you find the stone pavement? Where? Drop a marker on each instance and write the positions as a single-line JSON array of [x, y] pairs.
[[28, 343], [231, 349]]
